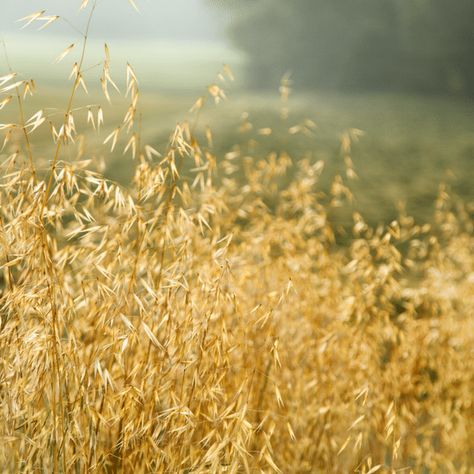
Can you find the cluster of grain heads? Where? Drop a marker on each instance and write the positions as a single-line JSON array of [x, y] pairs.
[[184, 324]]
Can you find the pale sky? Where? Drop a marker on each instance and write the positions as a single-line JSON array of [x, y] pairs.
[[173, 44], [158, 19]]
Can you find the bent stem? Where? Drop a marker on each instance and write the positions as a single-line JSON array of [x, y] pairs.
[[48, 257]]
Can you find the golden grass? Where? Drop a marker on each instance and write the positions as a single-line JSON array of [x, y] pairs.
[[180, 326]]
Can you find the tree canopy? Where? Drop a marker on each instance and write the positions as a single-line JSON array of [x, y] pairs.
[[417, 45]]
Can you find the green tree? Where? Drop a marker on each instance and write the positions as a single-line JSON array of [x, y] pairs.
[[423, 45]]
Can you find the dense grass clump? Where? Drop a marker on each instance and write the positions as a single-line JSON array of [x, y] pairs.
[[191, 324]]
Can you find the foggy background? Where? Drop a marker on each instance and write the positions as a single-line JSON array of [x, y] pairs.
[[157, 19], [423, 46], [400, 71], [179, 45]]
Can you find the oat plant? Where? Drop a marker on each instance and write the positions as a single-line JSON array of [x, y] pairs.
[[207, 317]]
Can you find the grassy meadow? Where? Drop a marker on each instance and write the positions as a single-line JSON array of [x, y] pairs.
[[411, 144], [261, 288]]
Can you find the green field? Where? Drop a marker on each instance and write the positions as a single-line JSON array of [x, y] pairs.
[[411, 143]]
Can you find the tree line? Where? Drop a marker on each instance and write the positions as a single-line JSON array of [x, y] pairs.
[[411, 45]]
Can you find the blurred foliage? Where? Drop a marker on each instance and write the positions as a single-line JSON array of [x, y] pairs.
[[419, 45]]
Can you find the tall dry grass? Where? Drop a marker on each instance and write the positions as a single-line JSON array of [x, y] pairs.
[[185, 324]]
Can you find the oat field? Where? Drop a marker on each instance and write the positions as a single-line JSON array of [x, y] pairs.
[[211, 315]]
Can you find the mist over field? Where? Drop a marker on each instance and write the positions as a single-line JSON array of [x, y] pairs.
[[178, 47], [179, 20], [174, 45]]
